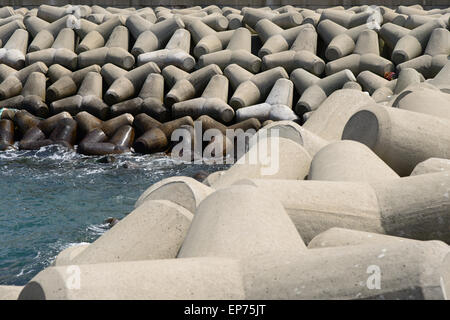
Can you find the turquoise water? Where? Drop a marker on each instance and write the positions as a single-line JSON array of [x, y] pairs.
[[52, 199]]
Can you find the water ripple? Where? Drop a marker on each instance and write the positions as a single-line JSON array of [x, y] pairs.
[[54, 198]]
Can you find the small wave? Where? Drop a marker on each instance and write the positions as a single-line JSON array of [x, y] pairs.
[[23, 272], [98, 229], [55, 152], [52, 152], [89, 171], [72, 244]]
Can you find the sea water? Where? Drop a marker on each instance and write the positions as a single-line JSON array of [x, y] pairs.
[[52, 199]]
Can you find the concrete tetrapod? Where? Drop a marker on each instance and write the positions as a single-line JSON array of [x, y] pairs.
[[97, 38], [352, 85], [274, 38], [214, 20], [238, 51], [12, 81], [251, 89], [183, 191], [61, 51], [375, 85], [213, 102], [386, 130], [310, 16], [340, 41], [126, 85], [278, 105], [176, 53], [329, 120], [221, 229], [114, 51], [339, 237], [269, 157], [313, 90], [408, 44], [88, 98], [423, 98], [34, 139], [156, 36], [415, 20], [406, 78], [150, 100], [346, 18], [6, 134], [105, 137], [285, 20], [49, 124], [87, 123], [52, 13], [207, 40], [155, 135], [65, 257], [399, 207], [235, 21], [152, 94], [405, 271], [14, 51], [199, 278], [348, 161], [137, 24], [154, 230], [365, 56], [441, 80], [435, 55], [68, 83], [24, 121], [7, 11], [293, 131], [65, 133], [186, 86], [33, 93], [47, 33], [262, 258], [302, 54]]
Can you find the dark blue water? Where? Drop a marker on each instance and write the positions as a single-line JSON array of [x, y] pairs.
[[52, 199]]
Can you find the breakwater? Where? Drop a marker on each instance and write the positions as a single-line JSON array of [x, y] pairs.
[[342, 186]]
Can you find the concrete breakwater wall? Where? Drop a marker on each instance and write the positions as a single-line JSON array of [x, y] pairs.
[[343, 192], [311, 4], [114, 80]]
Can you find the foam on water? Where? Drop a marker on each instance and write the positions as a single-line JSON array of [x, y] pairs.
[[53, 198]]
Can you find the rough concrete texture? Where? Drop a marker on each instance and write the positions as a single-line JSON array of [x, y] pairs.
[[10, 292], [199, 279], [400, 207], [65, 257], [283, 158], [346, 149], [386, 130], [348, 161], [329, 120], [184, 191], [337, 237], [431, 165], [158, 228]]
